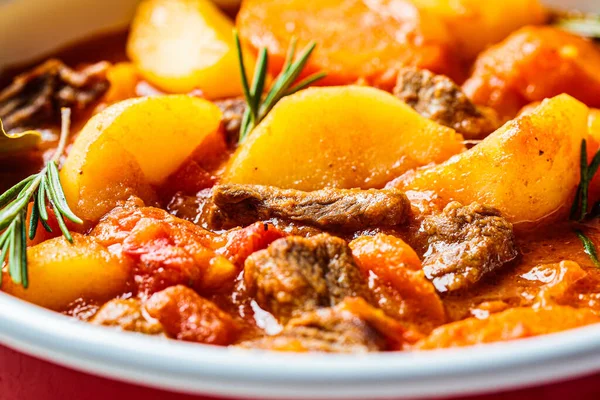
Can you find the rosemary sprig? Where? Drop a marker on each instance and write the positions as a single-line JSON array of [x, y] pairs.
[[589, 247], [579, 208], [43, 188], [257, 105]]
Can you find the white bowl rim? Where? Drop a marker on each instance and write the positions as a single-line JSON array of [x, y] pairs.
[[201, 369]]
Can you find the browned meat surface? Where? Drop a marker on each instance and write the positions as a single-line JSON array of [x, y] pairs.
[[36, 97], [464, 243], [127, 315], [196, 209], [295, 274], [353, 326], [330, 209], [191, 208], [233, 111], [438, 98], [187, 316]]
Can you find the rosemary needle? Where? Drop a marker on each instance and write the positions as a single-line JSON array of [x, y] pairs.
[[589, 247], [42, 188], [257, 105]]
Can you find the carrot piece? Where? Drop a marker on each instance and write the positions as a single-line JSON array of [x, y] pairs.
[[532, 64], [515, 323], [357, 40], [398, 283]]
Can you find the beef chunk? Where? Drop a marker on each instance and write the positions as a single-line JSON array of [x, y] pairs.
[[464, 244], [233, 112], [329, 209], [197, 209], [36, 97], [352, 326], [187, 316], [295, 274], [438, 98], [127, 315]]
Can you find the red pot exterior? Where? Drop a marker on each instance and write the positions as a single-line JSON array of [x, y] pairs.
[[27, 378]]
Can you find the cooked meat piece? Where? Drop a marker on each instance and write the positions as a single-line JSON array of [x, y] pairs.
[[197, 209], [191, 208], [295, 274], [187, 316], [515, 323], [127, 315], [438, 98], [352, 326], [328, 209], [36, 97], [465, 243], [233, 111]]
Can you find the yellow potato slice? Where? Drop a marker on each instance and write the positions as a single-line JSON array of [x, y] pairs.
[[594, 124], [345, 137], [528, 169], [132, 146], [476, 24], [182, 45], [61, 272]]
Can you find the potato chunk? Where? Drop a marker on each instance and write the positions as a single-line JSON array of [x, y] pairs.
[[475, 24], [184, 45], [131, 146], [594, 124], [344, 137], [61, 272], [528, 169], [532, 64]]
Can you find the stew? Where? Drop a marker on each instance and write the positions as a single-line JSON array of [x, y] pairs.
[[335, 176]]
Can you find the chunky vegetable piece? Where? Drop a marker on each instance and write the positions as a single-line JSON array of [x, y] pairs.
[[532, 64], [528, 169], [166, 250], [131, 147], [398, 283], [594, 124], [123, 78], [185, 315], [61, 272], [184, 45], [356, 39], [475, 24], [344, 137], [339, 219], [516, 323]]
